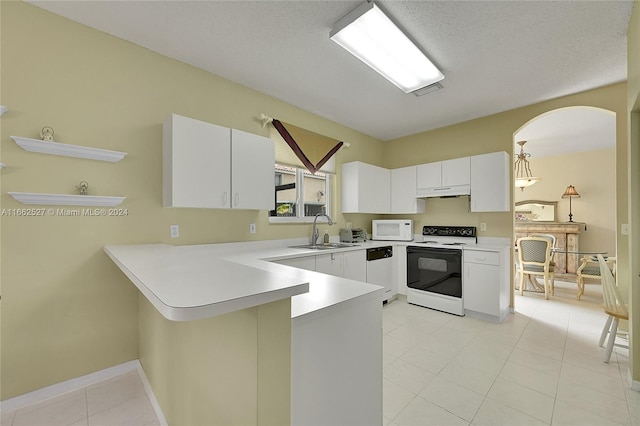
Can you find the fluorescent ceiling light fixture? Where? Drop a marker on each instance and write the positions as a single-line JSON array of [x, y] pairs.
[[368, 34]]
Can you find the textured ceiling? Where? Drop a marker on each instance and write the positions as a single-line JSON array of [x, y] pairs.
[[496, 55]]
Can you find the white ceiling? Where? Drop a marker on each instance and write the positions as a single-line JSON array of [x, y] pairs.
[[568, 130], [496, 55]]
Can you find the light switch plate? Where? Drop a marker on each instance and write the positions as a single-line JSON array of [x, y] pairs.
[[624, 229], [483, 226], [174, 230], [252, 228]]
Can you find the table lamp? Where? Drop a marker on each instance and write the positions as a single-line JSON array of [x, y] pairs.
[[570, 193]]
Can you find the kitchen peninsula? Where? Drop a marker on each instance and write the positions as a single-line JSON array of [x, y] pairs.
[[229, 337]]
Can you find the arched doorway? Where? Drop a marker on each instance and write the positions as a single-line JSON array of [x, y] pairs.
[[571, 146]]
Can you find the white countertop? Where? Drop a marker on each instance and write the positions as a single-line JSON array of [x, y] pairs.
[[199, 281]]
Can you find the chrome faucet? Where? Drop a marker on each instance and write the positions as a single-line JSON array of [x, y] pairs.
[[314, 233]]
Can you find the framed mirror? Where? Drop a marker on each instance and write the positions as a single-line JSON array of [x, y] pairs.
[[536, 211]]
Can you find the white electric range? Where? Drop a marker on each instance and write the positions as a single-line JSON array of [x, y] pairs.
[[434, 267]]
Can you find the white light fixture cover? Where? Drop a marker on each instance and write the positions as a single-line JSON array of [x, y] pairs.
[[522, 171], [368, 34]]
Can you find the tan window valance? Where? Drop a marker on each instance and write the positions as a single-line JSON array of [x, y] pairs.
[[302, 148]]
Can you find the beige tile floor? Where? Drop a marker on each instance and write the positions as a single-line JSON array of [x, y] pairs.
[[542, 366], [121, 401]]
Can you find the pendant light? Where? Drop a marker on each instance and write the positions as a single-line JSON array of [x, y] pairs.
[[522, 171]]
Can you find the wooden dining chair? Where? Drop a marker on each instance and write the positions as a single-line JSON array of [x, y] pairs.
[[534, 259], [590, 268], [614, 306]]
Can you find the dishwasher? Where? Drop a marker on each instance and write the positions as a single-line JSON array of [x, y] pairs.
[[380, 268]]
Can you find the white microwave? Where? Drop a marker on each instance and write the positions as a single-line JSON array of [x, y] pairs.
[[392, 230]]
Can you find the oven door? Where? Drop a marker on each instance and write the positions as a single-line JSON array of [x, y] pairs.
[[435, 270]]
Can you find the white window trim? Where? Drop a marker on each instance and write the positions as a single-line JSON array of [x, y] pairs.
[[300, 204]]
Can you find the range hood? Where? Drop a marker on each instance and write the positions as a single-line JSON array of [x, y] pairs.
[[446, 191]]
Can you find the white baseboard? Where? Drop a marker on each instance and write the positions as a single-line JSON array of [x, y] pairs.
[[61, 388], [152, 398]]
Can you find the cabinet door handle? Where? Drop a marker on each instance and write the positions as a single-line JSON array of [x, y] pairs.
[[236, 198], [225, 198]]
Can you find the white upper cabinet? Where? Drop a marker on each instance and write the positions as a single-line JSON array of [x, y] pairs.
[[365, 188], [429, 175], [450, 177], [200, 170], [196, 163], [456, 172], [403, 191], [252, 171], [490, 182]]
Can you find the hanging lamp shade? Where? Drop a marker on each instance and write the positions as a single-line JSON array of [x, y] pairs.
[[522, 169]]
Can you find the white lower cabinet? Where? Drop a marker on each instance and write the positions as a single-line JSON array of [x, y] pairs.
[[355, 265], [486, 284], [348, 264], [308, 263], [330, 263]]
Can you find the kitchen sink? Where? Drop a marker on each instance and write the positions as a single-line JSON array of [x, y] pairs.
[[327, 246]]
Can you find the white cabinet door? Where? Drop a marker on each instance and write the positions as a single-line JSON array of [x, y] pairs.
[[486, 283], [456, 172], [403, 191], [481, 288], [443, 174], [429, 175], [252, 172], [308, 263], [330, 263], [490, 182], [196, 166], [365, 188], [355, 265]]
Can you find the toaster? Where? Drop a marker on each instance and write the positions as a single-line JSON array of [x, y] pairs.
[[357, 235]]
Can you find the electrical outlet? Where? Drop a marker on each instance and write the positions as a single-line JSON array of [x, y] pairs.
[[483, 226], [624, 229], [174, 230], [252, 228]]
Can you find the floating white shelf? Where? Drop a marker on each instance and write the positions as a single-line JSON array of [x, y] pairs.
[[57, 148], [66, 200]]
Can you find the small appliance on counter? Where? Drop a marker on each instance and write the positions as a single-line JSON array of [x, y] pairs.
[[357, 235], [392, 230]]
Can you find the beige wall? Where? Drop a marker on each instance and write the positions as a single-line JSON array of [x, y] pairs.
[[67, 309], [632, 172], [593, 175], [238, 374]]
